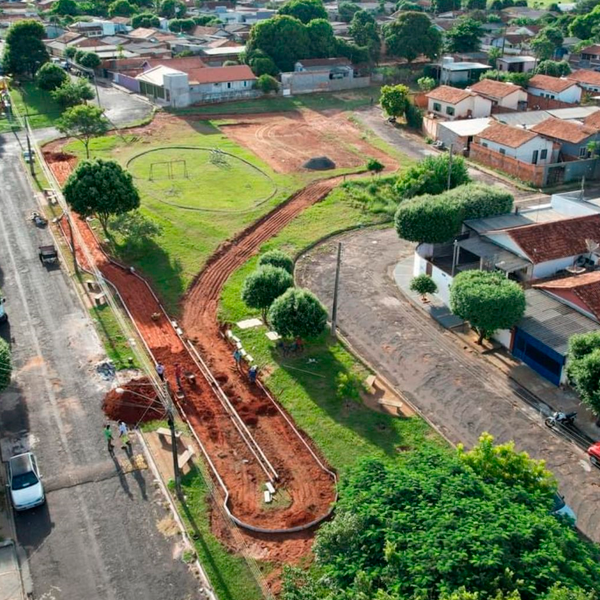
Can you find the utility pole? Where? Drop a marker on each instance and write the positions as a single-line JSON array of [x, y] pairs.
[[335, 291], [73, 251], [30, 155], [450, 167], [171, 422]]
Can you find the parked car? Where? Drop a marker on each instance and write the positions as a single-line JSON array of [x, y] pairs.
[[28, 157], [561, 508], [24, 482], [594, 454]]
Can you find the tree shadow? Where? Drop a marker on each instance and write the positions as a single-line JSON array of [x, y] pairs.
[[316, 369]]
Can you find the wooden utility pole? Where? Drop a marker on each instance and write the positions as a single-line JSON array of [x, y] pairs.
[[336, 291]]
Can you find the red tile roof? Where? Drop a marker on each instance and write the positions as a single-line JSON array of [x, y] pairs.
[[593, 49], [585, 286], [494, 89], [559, 239], [448, 94], [220, 74], [585, 76], [593, 120], [551, 84], [513, 137], [566, 131]]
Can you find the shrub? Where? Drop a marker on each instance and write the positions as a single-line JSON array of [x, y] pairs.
[[50, 76], [277, 258], [267, 84], [298, 313], [414, 117], [262, 287], [423, 284]]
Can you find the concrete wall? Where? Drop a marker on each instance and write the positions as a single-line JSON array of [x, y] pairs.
[[308, 82], [504, 337], [571, 95], [521, 170], [572, 207], [130, 83], [573, 171], [525, 152], [551, 267], [512, 100]]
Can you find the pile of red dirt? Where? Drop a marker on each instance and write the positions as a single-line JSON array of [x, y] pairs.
[[138, 403]]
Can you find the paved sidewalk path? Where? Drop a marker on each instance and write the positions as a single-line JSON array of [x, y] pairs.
[[456, 390]]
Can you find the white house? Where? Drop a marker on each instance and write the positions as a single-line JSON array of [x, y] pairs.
[[451, 71], [518, 143], [516, 64], [504, 95], [556, 88], [588, 80], [453, 103]]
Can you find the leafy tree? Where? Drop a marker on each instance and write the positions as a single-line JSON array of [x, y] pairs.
[[394, 99], [559, 592], [321, 39], [430, 176], [277, 258], [182, 25], [437, 219], [411, 35], [442, 6], [494, 54], [89, 60], [374, 166], [146, 20], [71, 93], [352, 52], [101, 188], [171, 9], [304, 10], [426, 84], [475, 4], [262, 65], [521, 79], [70, 52], [408, 6], [423, 284], [207, 20], [430, 527], [24, 50], [488, 300], [586, 25], [135, 230], [50, 76], [65, 7], [553, 68], [364, 32], [583, 368], [298, 313], [284, 39], [542, 47], [346, 11], [414, 116], [267, 84], [121, 8], [262, 287], [503, 463], [5, 365], [83, 122], [465, 36]]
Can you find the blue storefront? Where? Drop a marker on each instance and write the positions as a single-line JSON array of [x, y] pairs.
[[540, 357]]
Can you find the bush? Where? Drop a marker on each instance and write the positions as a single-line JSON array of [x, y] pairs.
[[277, 258], [298, 313], [414, 116], [5, 365], [145, 19], [430, 176], [349, 386], [267, 84], [423, 284], [50, 76], [262, 287], [374, 166], [437, 219], [71, 93], [89, 60], [583, 367]]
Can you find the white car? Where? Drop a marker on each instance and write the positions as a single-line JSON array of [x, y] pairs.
[[24, 482]]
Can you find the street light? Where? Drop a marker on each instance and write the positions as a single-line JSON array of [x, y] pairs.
[[168, 406]]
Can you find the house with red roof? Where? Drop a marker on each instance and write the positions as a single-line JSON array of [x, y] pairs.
[[555, 88], [452, 103]]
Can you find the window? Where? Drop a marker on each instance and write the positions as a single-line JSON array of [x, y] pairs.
[[582, 151], [228, 84], [543, 154], [484, 144], [502, 151], [437, 107], [450, 110], [245, 84]]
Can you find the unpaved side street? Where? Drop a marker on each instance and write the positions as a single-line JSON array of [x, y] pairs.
[[460, 393], [104, 533]]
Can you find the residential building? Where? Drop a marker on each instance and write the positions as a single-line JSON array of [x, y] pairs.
[[502, 95], [555, 88], [586, 79], [331, 65], [95, 28], [590, 56], [451, 71], [520, 144], [460, 134], [215, 57], [453, 103], [516, 64], [574, 137], [322, 75], [581, 291]]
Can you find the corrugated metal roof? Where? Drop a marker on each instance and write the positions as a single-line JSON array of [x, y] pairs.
[[542, 214], [502, 259], [552, 322], [518, 119]]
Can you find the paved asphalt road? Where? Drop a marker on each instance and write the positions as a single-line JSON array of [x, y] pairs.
[[99, 536], [459, 392]]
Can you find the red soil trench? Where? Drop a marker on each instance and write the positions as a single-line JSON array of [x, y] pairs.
[[309, 487]]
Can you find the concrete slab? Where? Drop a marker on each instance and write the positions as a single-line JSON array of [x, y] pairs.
[[11, 587], [249, 323], [273, 336]]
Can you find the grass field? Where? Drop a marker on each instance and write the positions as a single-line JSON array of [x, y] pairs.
[[307, 385], [116, 344], [41, 108]]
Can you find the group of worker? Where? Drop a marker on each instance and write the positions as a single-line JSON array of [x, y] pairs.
[[252, 372]]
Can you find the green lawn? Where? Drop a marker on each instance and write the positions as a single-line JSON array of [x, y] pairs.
[[116, 344], [41, 108], [307, 385]]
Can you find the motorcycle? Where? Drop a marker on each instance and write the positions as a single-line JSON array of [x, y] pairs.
[[561, 419]]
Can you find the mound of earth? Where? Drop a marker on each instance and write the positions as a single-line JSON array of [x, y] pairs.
[[137, 404], [319, 163]]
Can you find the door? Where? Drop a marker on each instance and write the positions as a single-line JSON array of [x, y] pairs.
[[534, 158], [541, 358]]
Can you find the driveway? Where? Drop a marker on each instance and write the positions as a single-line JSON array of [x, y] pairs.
[[104, 532], [457, 391], [121, 108]]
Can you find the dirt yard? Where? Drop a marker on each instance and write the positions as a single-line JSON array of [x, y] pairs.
[[287, 140]]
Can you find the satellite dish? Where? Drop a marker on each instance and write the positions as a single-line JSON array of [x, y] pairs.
[[591, 246]]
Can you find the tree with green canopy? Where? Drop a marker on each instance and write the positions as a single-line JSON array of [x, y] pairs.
[[50, 76], [182, 25], [298, 313], [277, 258], [553, 68], [89, 60], [488, 300], [65, 7], [263, 286], [172, 9], [24, 50], [394, 99], [304, 10], [364, 32], [146, 20], [71, 92], [583, 367], [411, 35], [5, 365], [83, 122], [267, 84], [346, 11], [321, 39], [101, 188], [423, 284], [261, 64], [465, 36], [121, 8], [426, 84], [374, 166]]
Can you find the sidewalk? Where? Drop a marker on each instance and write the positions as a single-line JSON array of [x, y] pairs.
[[547, 395]]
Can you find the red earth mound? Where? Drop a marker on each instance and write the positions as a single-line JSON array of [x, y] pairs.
[[137, 404]]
